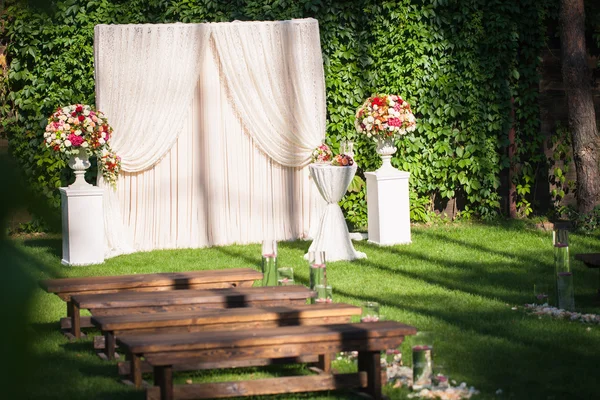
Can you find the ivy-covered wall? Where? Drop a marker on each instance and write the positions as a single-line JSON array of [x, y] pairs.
[[457, 62]]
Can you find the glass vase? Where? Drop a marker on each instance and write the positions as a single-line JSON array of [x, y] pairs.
[[324, 294], [563, 276], [422, 359], [269, 263], [317, 270], [370, 312], [285, 276]]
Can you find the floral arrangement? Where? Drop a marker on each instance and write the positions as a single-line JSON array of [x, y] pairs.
[[110, 166], [384, 116], [322, 154], [79, 127], [342, 160]]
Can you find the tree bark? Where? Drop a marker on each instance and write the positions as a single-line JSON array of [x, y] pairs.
[[577, 78]]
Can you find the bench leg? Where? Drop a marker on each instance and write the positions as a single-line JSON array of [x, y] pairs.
[[135, 365], [75, 319], [163, 377], [109, 345], [69, 310], [324, 363], [370, 362]]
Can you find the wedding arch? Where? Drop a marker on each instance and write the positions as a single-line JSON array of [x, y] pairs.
[[215, 124]]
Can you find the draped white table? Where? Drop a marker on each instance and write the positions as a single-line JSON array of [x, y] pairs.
[[332, 236]]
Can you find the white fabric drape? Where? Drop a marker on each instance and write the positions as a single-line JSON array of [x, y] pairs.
[[215, 185], [332, 236], [266, 67], [145, 79]]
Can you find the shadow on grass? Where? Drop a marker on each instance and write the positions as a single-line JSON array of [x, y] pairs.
[[53, 246], [504, 347]]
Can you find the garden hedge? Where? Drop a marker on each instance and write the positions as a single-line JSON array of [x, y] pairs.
[[458, 63]]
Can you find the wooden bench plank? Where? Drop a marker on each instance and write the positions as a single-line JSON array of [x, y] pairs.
[[272, 336], [137, 281], [219, 317], [221, 297], [293, 384], [591, 260], [124, 367]]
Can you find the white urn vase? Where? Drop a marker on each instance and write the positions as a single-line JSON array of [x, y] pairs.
[[385, 149], [79, 163]]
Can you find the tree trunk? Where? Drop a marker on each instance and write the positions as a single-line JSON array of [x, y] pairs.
[[577, 79]]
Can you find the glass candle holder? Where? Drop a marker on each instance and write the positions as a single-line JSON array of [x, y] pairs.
[[370, 312], [269, 262], [563, 276], [422, 359], [318, 272], [541, 294], [349, 148], [324, 294], [566, 291], [285, 276]]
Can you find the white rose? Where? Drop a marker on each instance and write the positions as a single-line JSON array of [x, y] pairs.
[[67, 143], [53, 136], [89, 129], [370, 119], [101, 141], [86, 112], [391, 103], [375, 107], [46, 134], [78, 132], [48, 140], [104, 152], [67, 126], [103, 134], [62, 117], [71, 121], [84, 144]]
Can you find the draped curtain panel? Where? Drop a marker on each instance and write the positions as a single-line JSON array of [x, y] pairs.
[[212, 154]]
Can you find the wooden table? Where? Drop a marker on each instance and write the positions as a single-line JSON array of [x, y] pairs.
[[163, 351], [67, 287], [124, 303]]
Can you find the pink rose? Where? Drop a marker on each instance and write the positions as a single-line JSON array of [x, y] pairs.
[[75, 140]]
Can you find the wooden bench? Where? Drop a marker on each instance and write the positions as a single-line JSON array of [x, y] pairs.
[[67, 287], [164, 351], [591, 260], [215, 319], [184, 300]]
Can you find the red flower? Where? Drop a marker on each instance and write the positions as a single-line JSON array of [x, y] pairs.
[[79, 109], [377, 101], [81, 118], [73, 114]]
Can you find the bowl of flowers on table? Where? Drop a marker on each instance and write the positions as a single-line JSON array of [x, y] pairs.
[[322, 154]]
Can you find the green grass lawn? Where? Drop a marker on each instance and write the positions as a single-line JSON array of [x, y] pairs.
[[459, 282]]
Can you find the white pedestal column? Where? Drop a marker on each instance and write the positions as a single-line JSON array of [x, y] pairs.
[[82, 226], [388, 206]]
